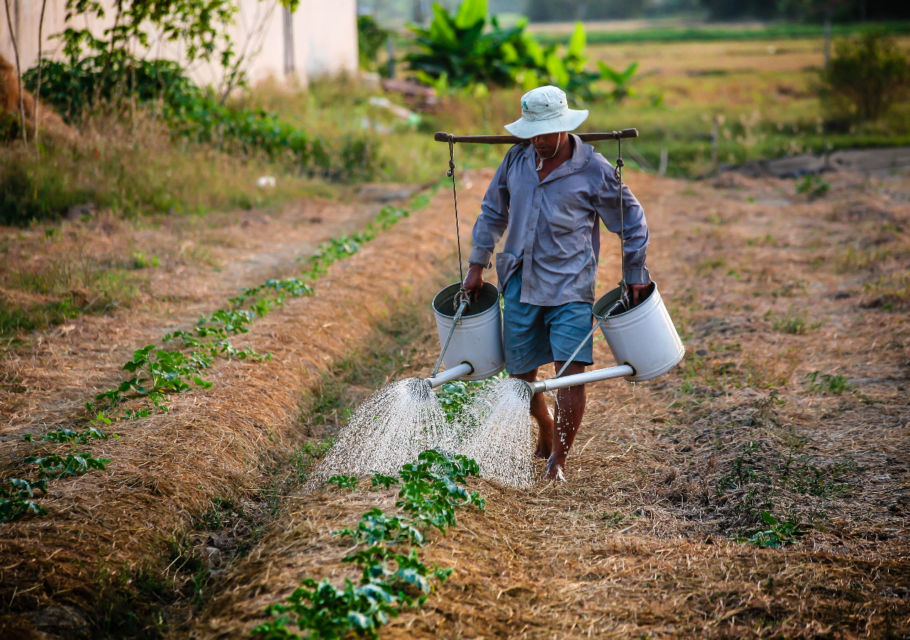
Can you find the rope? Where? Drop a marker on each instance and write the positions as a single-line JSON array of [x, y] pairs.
[[451, 173], [624, 289], [460, 300]]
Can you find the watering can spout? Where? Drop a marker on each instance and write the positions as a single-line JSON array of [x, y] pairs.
[[460, 371], [622, 371]]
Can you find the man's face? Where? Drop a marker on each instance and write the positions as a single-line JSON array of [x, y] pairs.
[[546, 143]]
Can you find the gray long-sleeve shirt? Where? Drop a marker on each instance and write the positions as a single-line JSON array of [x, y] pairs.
[[554, 234]]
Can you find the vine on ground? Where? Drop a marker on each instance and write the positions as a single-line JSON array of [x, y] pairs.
[[392, 576]]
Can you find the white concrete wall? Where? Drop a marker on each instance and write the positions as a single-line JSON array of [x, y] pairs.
[[323, 38]]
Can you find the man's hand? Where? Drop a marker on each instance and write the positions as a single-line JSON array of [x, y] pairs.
[[638, 292], [473, 282]]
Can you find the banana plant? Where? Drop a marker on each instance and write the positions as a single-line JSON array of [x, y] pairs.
[[620, 79]]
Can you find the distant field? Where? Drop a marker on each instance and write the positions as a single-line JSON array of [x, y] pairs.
[[679, 31], [758, 82], [762, 94]]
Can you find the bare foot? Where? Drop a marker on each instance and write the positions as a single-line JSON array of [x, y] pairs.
[[555, 466], [545, 437]]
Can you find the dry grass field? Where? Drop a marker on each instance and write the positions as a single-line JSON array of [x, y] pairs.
[[791, 402]]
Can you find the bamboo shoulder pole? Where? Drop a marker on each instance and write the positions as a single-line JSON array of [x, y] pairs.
[[442, 136]]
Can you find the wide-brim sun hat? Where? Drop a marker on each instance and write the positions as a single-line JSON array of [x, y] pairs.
[[545, 110]]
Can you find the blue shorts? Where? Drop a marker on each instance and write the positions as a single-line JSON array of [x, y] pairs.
[[535, 336]]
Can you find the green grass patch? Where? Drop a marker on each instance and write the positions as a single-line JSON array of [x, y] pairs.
[[712, 33], [827, 383]]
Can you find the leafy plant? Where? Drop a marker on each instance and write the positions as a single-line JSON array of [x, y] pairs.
[[158, 372], [53, 466], [775, 534], [382, 481], [64, 435], [620, 79], [343, 482], [370, 39], [453, 396], [813, 186], [17, 498]]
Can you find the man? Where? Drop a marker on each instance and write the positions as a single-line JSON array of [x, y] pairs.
[[552, 195]]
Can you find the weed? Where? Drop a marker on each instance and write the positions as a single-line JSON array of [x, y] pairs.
[[813, 186], [743, 472], [140, 261], [303, 458], [791, 322], [705, 267], [827, 383], [775, 534], [613, 519], [801, 476]]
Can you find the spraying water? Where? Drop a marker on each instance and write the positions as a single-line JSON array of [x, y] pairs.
[[500, 440], [388, 430], [404, 418]]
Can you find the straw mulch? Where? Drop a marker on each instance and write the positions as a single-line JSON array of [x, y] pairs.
[[203, 261], [766, 288], [105, 531]]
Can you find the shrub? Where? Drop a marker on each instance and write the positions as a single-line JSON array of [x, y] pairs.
[[74, 88], [27, 194], [370, 39], [866, 75]]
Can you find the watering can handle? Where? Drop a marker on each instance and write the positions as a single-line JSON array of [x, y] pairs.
[[461, 309], [442, 136], [578, 348]]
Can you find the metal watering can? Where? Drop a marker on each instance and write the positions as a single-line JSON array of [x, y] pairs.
[[643, 339]]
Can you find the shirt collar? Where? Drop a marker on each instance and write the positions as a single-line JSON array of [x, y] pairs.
[[581, 153]]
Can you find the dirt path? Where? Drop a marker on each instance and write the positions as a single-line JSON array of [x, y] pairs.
[[791, 402]]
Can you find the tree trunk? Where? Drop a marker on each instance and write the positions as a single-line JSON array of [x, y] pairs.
[[12, 35], [38, 85]]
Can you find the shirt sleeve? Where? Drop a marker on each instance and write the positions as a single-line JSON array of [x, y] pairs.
[[493, 218], [631, 224]]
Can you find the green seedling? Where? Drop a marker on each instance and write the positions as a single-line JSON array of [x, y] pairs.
[[64, 435], [54, 466], [344, 482], [17, 498], [379, 480], [392, 576], [375, 527], [775, 534]]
